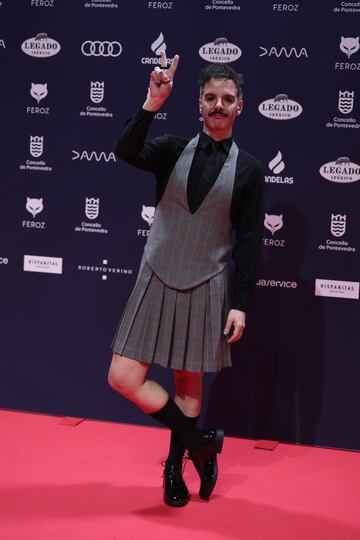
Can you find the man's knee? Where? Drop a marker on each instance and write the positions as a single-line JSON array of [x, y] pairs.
[[125, 375]]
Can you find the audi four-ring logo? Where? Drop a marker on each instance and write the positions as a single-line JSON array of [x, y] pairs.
[[101, 48]]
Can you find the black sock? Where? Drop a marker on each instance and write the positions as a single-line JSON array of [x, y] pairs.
[[177, 449], [182, 426]]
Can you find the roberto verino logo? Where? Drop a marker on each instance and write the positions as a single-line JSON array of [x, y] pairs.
[[341, 171], [104, 269], [280, 108], [40, 46], [220, 50], [101, 48]]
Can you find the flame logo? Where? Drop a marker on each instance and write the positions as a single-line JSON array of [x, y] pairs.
[[277, 165], [158, 45]]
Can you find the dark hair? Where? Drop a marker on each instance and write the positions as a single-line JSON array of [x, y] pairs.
[[222, 71]]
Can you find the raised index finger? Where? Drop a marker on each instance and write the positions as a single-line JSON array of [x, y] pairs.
[[163, 59], [172, 69]]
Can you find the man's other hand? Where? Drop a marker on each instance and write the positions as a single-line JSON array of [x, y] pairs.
[[236, 323]]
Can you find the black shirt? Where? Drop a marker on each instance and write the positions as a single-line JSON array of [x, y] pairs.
[[159, 156]]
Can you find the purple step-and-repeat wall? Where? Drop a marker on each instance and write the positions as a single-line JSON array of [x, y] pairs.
[[74, 221]]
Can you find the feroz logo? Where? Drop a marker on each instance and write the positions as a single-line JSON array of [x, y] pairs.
[[346, 101], [36, 146], [147, 213], [337, 289], [97, 91], [342, 171], [34, 206], [276, 165], [93, 156], [101, 48], [280, 108], [38, 263], [283, 51], [221, 50], [40, 46], [91, 207], [349, 45], [38, 91], [158, 45], [273, 222], [338, 225]]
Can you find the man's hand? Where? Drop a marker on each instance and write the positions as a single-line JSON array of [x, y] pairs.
[[236, 319], [161, 83]]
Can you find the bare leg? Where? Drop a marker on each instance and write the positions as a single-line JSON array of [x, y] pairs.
[[127, 377]]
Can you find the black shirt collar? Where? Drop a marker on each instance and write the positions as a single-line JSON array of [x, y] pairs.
[[222, 146]]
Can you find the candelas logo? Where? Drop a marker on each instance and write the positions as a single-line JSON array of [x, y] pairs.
[[221, 50], [280, 108], [342, 171], [40, 46]]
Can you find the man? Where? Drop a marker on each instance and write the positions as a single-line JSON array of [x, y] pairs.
[[179, 314]]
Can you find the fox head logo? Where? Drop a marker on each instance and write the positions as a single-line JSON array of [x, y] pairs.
[[273, 222], [349, 45], [34, 206], [147, 213]]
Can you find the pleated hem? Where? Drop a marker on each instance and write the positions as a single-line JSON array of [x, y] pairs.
[[178, 329]]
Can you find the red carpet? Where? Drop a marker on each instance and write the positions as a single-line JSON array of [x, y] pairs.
[[102, 481]]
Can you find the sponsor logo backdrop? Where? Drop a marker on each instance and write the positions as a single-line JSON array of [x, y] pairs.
[[82, 69]]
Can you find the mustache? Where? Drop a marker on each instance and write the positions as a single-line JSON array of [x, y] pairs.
[[218, 113]]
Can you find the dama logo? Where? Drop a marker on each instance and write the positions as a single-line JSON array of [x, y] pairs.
[[93, 156]]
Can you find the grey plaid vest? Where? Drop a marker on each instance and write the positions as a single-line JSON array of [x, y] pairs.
[[186, 249]]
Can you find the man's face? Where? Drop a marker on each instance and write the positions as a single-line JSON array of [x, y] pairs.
[[219, 104]]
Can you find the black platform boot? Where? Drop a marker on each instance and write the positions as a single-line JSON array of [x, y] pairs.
[[205, 461]]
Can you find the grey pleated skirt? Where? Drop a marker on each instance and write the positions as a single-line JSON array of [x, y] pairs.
[[179, 329]]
